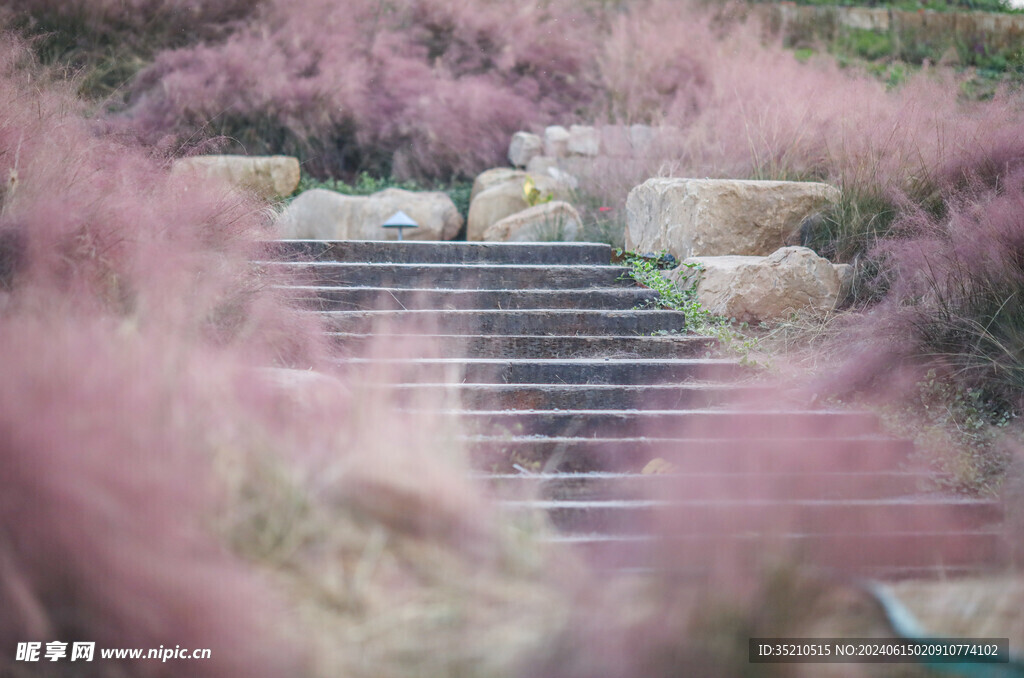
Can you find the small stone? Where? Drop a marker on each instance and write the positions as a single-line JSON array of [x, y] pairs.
[[584, 140], [556, 141], [523, 148]]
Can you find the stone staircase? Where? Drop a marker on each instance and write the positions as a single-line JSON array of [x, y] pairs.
[[566, 397]]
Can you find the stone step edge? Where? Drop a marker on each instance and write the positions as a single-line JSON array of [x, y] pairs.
[[621, 412], [709, 362], [664, 477], [641, 440], [600, 537], [382, 265], [620, 291], [925, 500], [454, 243], [553, 312], [661, 338], [738, 387]]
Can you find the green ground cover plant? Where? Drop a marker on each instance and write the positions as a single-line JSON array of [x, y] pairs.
[[676, 285]]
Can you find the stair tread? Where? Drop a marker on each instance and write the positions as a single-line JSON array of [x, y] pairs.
[[632, 537], [665, 477], [655, 338], [910, 500], [463, 290], [549, 361], [634, 440], [436, 265]]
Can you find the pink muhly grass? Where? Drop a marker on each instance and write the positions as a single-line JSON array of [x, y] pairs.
[[127, 303], [347, 86], [106, 489], [954, 286]]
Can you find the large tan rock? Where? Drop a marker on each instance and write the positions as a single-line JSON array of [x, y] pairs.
[[549, 222], [494, 177], [326, 215], [273, 176], [714, 217], [754, 289], [500, 194]]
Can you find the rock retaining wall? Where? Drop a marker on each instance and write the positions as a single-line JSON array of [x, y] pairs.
[[587, 142], [978, 30]]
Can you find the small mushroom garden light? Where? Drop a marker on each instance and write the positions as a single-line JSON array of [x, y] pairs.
[[400, 220]]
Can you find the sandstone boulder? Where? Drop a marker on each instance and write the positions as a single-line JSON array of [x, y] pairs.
[[523, 147], [501, 195], [549, 222], [270, 177], [494, 177], [556, 141], [584, 140], [754, 289], [327, 215], [714, 217]]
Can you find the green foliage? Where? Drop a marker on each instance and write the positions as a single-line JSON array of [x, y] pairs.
[[364, 184], [803, 54], [893, 56], [679, 293], [866, 44], [849, 229], [532, 194], [966, 422], [649, 272]]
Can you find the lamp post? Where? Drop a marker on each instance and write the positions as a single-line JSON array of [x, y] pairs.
[[400, 220]]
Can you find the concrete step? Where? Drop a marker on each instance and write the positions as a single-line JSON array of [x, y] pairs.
[[452, 276], [727, 424], [382, 298], [768, 516], [565, 347], [541, 371], [856, 453], [555, 322], [573, 396], [433, 252], [891, 556], [598, 486]]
